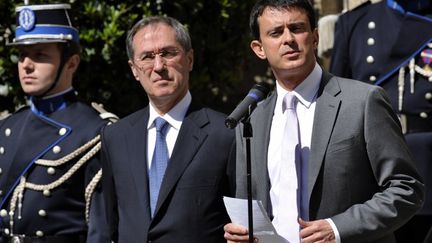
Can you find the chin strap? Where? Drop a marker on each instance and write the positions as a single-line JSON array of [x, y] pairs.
[[64, 56]]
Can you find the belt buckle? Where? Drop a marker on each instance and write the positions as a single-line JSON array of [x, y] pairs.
[[17, 239]]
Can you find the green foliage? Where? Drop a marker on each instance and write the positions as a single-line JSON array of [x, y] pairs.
[[220, 37]]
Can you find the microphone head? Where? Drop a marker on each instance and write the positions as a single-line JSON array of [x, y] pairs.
[[230, 122], [259, 91]]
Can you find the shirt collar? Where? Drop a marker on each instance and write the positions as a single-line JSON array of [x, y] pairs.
[[175, 116], [306, 91]]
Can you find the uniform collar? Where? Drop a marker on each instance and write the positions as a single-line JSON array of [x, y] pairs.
[[50, 104], [403, 6]]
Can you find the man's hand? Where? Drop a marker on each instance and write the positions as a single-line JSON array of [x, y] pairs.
[[319, 231], [236, 233]]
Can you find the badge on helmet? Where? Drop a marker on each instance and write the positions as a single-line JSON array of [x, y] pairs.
[[45, 23]]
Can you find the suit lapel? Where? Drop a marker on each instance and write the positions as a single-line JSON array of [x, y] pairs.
[[327, 107], [136, 144], [189, 140], [261, 121]]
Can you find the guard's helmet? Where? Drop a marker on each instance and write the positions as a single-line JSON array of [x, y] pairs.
[[46, 23]]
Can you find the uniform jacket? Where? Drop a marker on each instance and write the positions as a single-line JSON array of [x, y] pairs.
[[360, 173], [190, 207], [27, 137], [372, 44]]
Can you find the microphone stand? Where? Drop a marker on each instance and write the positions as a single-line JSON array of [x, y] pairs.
[[247, 135]]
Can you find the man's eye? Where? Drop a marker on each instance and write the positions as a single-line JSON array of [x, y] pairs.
[[147, 57], [168, 53], [41, 55], [21, 56], [295, 29], [274, 33], [164, 53], [298, 29]]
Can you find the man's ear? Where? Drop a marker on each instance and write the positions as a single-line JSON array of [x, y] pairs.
[[190, 58], [258, 49], [73, 63], [315, 34], [134, 70]]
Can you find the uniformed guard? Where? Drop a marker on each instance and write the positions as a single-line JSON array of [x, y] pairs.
[[49, 160], [390, 44]]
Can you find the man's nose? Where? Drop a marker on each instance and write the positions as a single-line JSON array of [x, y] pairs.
[[27, 63], [288, 36], [159, 63]]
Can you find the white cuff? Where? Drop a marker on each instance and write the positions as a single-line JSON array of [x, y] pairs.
[[335, 230]]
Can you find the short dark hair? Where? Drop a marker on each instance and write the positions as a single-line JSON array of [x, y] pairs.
[[259, 7], [182, 35], [70, 48]]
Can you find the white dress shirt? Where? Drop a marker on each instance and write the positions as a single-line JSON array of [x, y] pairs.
[[285, 221], [174, 118]]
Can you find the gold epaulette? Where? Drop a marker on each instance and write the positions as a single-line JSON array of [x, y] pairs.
[[103, 113]]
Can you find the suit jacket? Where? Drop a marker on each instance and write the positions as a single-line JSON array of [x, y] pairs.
[[361, 174], [26, 137], [397, 38], [190, 206]]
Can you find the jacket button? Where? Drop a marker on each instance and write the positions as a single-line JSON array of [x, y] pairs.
[[42, 213], [56, 149], [8, 132], [62, 131], [51, 171], [47, 193], [3, 213]]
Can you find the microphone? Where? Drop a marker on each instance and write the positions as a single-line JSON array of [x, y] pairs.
[[256, 94]]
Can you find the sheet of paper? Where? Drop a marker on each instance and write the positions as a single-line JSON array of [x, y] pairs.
[[263, 229]]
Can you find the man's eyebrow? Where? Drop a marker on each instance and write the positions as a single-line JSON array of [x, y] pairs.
[[298, 23], [169, 47]]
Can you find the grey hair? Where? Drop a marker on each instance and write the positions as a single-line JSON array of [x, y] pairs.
[[182, 35]]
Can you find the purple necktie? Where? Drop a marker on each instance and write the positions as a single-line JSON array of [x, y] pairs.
[[159, 162], [292, 135]]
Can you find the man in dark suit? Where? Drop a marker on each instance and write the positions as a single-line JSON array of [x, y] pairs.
[[349, 176], [49, 160], [390, 44], [187, 205]]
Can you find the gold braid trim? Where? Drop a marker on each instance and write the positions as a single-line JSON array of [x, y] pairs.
[[70, 156], [68, 174], [90, 188], [17, 195]]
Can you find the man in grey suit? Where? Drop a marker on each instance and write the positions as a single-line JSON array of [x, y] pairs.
[[348, 177], [195, 148]]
